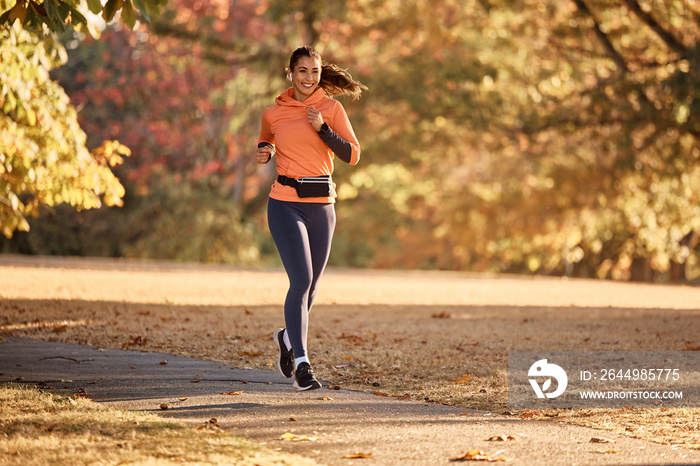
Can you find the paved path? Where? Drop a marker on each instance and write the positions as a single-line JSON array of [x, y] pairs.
[[339, 421]]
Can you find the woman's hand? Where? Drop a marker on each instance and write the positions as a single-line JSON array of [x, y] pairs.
[[315, 118], [263, 155]]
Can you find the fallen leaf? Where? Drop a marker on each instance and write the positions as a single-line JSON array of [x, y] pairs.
[[601, 440], [60, 329], [529, 414], [325, 398], [478, 455], [502, 438], [135, 341], [248, 312], [163, 363], [163, 406], [234, 393], [690, 347], [293, 419], [296, 438], [442, 315], [466, 378], [354, 339], [464, 414], [359, 454], [250, 354], [196, 380], [212, 424], [378, 393], [183, 398], [610, 451]]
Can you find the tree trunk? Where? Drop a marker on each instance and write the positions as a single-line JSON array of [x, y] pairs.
[[640, 270], [677, 272]]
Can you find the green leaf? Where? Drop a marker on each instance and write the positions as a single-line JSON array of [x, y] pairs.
[[53, 18], [95, 6], [6, 17], [78, 17], [142, 9], [128, 14], [110, 9]]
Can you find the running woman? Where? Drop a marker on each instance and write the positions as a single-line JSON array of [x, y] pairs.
[[304, 130]]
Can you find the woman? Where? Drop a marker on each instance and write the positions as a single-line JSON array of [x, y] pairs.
[[303, 131]]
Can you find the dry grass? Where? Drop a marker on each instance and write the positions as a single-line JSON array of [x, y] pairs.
[[406, 334], [43, 428]]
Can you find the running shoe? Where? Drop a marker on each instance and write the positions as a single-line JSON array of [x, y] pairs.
[[304, 378], [285, 362]]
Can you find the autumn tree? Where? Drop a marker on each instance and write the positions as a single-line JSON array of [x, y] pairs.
[[545, 137], [43, 153], [604, 122], [509, 136], [43, 157]]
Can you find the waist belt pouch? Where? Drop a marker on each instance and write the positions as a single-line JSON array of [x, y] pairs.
[[314, 186]]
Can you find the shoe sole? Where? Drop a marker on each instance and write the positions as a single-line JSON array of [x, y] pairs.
[[314, 386], [275, 336]]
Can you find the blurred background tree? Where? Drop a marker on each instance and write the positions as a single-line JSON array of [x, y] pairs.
[[504, 136]]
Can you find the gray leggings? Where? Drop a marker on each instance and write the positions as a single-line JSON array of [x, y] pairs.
[[302, 233]]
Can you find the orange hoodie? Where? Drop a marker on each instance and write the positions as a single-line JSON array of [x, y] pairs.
[[299, 150]]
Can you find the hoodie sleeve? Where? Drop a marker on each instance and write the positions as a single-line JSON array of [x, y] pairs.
[[341, 138], [266, 136]]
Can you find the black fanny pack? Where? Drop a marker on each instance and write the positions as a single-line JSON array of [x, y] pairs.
[[310, 186]]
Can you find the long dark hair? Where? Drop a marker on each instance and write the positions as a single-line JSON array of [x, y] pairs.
[[334, 79]]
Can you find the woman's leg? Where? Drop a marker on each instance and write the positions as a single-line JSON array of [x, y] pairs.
[[302, 233], [320, 238]]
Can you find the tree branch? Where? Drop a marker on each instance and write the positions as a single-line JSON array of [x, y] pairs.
[[666, 36], [610, 49], [218, 51], [612, 52]]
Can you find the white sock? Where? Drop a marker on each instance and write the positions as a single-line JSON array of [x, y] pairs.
[[285, 337], [298, 361]]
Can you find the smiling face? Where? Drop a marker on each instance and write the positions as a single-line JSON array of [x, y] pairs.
[[305, 77]]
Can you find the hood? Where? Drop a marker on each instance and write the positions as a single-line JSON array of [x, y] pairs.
[[286, 99]]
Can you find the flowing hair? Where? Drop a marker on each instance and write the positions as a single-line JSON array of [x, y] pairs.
[[334, 79]]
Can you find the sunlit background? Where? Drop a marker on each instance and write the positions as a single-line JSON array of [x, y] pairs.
[[553, 138]]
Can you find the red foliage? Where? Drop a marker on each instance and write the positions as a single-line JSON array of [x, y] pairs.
[[154, 93]]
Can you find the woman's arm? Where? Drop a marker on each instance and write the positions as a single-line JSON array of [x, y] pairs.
[[338, 145], [341, 139], [266, 141], [265, 152]]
